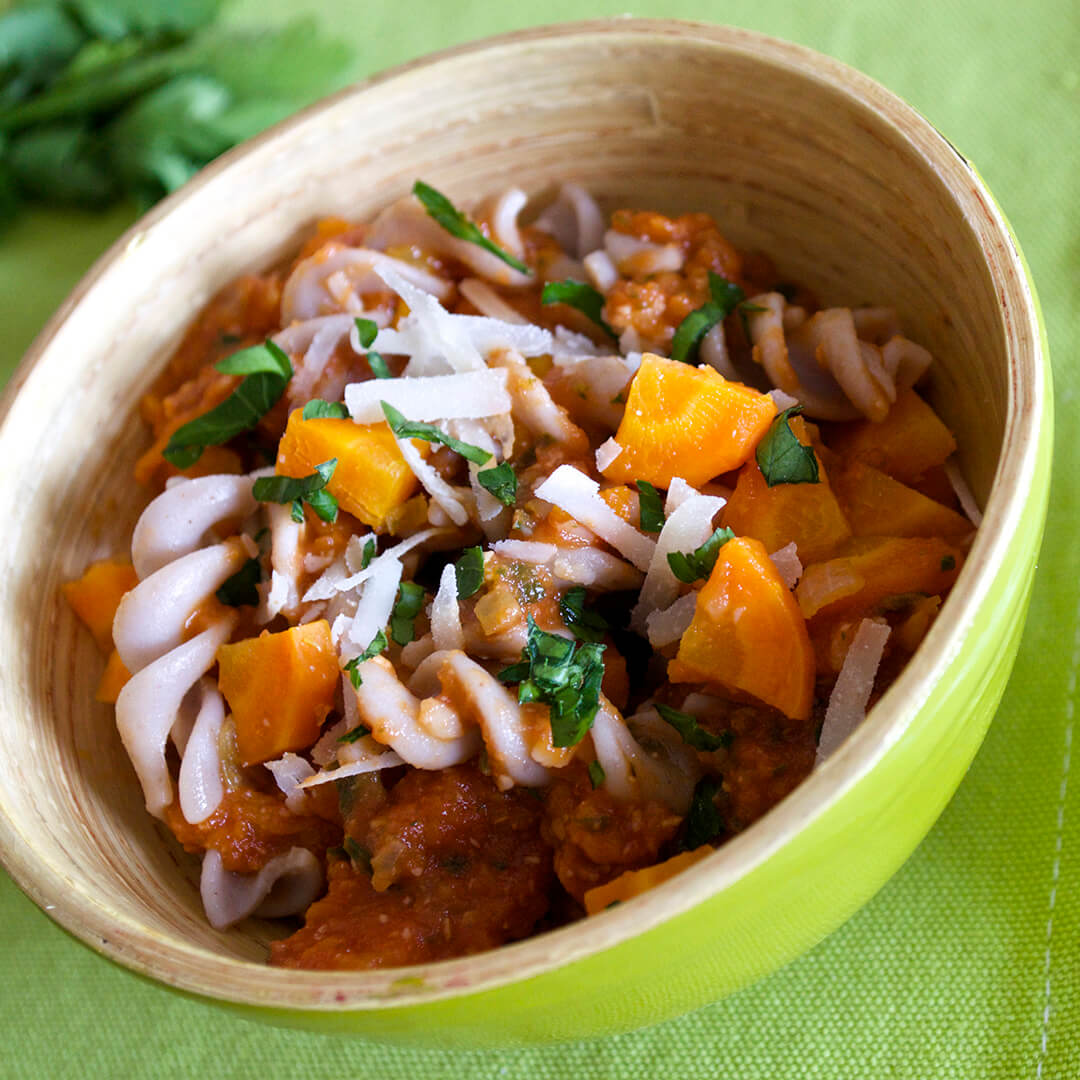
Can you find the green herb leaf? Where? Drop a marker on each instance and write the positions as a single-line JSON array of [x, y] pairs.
[[367, 330], [36, 42], [501, 482], [690, 566], [948, 563], [360, 856], [409, 605], [442, 210], [577, 294], [375, 646], [688, 337], [63, 163], [114, 19], [358, 732], [317, 409], [267, 371], [412, 429], [562, 675], [469, 572], [368, 554], [378, 366], [703, 821], [782, 458], [307, 489], [239, 590], [584, 624], [596, 774], [693, 734], [650, 506]]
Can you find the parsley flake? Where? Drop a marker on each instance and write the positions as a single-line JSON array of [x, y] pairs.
[[584, 624], [501, 482], [650, 506], [375, 646], [413, 429], [782, 458], [367, 554], [690, 566], [355, 735], [693, 734], [703, 821], [409, 604], [308, 489], [584, 298], [596, 774], [367, 330], [317, 409], [726, 296], [239, 590], [442, 210], [267, 370], [469, 572]]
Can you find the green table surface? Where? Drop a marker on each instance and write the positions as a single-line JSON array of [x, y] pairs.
[[967, 964]]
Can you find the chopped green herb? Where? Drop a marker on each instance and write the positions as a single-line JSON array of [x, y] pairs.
[[317, 409], [563, 675], [501, 482], [948, 563], [409, 604], [650, 506], [726, 295], [693, 734], [413, 429], [368, 554], [367, 330], [619, 398], [267, 371], [239, 590], [745, 309], [693, 565], [577, 294], [378, 365], [585, 625], [308, 489], [375, 646], [469, 572], [360, 856], [442, 210], [356, 734], [703, 821], [782, 458], [596, 774]]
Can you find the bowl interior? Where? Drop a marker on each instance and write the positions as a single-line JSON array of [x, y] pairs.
[[845, 187]]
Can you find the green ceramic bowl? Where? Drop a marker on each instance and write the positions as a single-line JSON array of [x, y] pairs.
[[846, 187]]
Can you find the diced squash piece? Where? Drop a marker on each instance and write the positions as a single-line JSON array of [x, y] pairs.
[[371, 478], [807, 515], [112, 679], [908, 442], [96, 595], [280, 688], [877, 505], [686, 421], [909, 634], [635, 882], [748, 633], [411, 516], [871, 571], [624, 501]]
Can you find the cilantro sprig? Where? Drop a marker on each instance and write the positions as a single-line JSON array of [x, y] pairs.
[[782, 458], [585, 625], [307, 489], [562, 674], [501, 482], [375, 646], [690, 566], [650, 507], [409, 604], [457, 224], [577, 294], [266, 370], [469, 572], [726, 296]]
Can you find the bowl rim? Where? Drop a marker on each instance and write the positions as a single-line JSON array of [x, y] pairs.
[[92, 920]]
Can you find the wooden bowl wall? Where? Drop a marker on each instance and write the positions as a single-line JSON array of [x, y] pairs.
[[847, 188]]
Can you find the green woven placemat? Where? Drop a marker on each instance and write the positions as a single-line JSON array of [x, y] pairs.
[[966, 964]]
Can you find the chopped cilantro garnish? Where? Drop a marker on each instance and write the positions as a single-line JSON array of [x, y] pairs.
[[726, 295], [469, 572], [703, 821], [501, 482], [239, 590], [375, 646], [596, 774], [584, 624], [563, 675], [693, 734], [267, 371], [409, 603], [308, 489], [413, 429], [317, 409], [367, 330], [577, 294], [689, 566], [442, 210], [367, 554], [357, 733], [650, 506], [782, 458]]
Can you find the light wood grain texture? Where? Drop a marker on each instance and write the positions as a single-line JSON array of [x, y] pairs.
[[849, 191]]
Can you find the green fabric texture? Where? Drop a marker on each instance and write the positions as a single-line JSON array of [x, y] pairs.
[[966, 964]]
